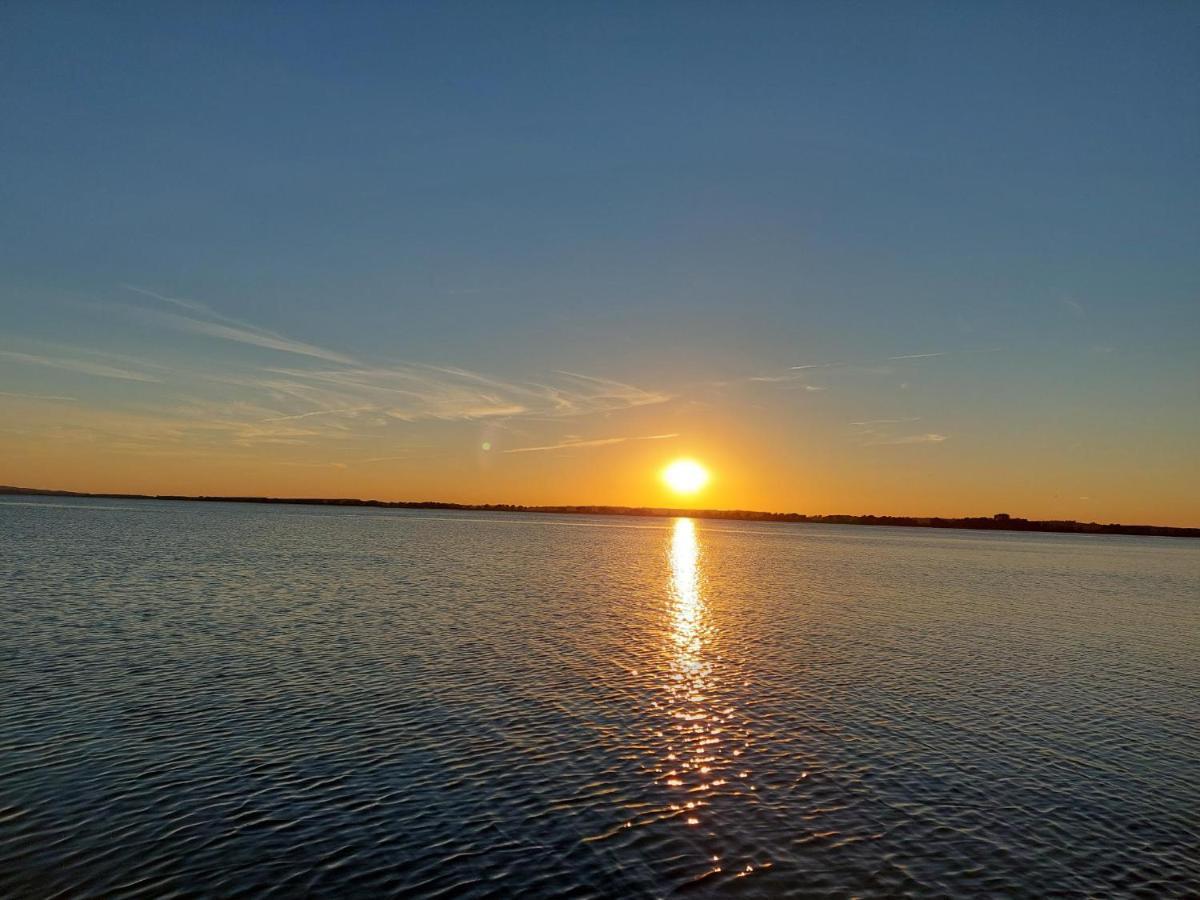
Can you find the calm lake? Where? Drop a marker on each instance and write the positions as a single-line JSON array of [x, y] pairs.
[[219, 699]]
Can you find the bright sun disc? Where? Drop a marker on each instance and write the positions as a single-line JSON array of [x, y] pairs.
[[685, 476]]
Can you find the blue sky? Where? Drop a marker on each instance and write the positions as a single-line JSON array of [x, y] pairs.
[[677, 198]]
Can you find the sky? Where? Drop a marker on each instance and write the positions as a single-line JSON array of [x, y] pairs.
[[908, 259]]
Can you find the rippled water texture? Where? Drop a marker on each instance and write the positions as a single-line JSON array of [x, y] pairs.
[[223, 699]]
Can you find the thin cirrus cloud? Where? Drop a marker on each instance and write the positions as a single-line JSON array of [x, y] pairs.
[[795, 382], [413, 392], [596, 442], [223, 327], [832, 365], [783, 379], [841, 365], [81, 366], [872, 423], [406, 392], [882, 432], [51, 398], [256, 338], [241, 334], [928, 438], [342, 405], [342, 400], [943, 353], [344, 411], [1074, 306]]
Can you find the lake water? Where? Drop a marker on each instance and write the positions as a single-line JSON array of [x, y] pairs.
[[232, 699]]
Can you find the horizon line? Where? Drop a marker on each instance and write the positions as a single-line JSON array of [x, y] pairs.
[[995, 522]]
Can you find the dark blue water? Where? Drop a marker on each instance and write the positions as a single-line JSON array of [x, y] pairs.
[[239, 699]]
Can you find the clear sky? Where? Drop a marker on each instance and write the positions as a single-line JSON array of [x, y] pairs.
[[914, 258]]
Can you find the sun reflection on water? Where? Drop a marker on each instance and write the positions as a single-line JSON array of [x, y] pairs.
[[696, 739], [688, 609], [703, 737], [696, 730]]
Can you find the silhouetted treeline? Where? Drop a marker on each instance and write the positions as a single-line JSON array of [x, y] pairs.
[[998, 522]]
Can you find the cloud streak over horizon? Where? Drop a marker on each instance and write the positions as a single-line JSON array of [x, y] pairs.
[[928, 438], [596, 442], [211, 404], [81, 366], [906, 356], [222, 327]]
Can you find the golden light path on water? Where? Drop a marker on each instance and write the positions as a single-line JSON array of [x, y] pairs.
[[702, 741], [696, 730]]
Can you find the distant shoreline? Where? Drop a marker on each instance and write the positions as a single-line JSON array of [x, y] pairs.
[[999, 522]]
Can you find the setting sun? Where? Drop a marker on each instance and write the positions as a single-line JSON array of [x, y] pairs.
[[685, 476]]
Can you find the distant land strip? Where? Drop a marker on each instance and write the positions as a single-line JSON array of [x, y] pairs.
[[998, 522]]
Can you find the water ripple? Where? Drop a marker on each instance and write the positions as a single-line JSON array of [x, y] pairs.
[[241, 700]]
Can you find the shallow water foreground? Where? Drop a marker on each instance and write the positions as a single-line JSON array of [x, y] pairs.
[[236, 699]]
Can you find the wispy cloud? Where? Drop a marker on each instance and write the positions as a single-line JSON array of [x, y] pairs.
[[832, 365], [1074, 306], [883, 432], [316, 401], [871, 423], [216, 325], [943, 353], [241, 335], [402, 391], [47, 397], [570, 445], [776, 379], [82, 366], [929, 438], [797, 382], [597, 442], [588, 393], [413, 392], [182, 303], [841, 365], [347, 411]]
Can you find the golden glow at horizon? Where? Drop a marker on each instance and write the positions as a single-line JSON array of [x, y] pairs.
[[685, 476]]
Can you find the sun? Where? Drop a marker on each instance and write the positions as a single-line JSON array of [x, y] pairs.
[[685, 476]]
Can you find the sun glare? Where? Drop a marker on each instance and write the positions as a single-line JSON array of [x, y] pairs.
[[685, 476]]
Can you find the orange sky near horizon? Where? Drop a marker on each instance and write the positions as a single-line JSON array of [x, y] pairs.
[[749, 471]]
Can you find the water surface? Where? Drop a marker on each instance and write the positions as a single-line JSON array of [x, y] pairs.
[[233, 699]]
